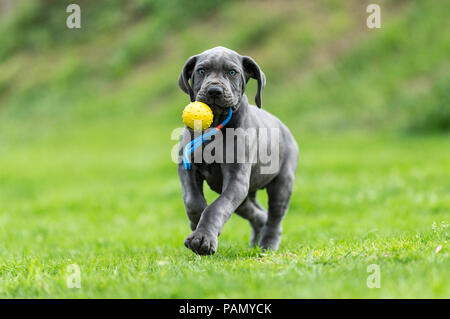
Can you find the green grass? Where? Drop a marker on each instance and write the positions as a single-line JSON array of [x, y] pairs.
[[113, 206], [86, 175]]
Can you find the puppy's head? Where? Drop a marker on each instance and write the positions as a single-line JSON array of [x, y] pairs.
[[218, 78]]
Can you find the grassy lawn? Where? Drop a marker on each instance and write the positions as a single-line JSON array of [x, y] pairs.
[[112, 205]]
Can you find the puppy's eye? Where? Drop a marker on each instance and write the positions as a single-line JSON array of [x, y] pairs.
[[201, 71], [232, 72]]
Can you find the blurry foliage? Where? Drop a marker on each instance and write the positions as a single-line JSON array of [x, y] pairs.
[[432, 112], [39, 24], [325, 70]]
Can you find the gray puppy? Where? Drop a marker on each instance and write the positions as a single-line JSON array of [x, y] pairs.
[[218, 78]]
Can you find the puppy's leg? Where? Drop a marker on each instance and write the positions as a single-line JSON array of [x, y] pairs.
[[236, 180], [194, 200], [255, 214], [279, 192]]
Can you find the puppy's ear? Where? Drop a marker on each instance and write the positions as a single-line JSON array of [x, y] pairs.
[[252, 70], [186, 73]]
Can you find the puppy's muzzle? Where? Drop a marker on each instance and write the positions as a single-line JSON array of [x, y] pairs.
[[214, 91]]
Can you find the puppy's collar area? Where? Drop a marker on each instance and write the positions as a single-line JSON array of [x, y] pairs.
[[189, 148]]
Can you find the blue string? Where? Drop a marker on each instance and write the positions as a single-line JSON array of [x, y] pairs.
[[189, 148]]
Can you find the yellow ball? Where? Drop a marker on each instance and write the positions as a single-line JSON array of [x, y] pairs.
[[197, 111]]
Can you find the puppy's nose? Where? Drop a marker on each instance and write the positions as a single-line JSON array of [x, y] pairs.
[[214, 91]]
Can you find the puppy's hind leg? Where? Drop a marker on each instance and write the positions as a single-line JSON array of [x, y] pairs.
[[279, 192], [251, 210]]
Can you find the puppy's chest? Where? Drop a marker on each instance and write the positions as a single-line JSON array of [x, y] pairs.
[[212, 174]]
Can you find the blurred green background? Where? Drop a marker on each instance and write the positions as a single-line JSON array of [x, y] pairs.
[[86, 177]]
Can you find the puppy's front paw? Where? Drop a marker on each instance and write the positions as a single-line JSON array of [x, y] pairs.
[[201, 242]]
